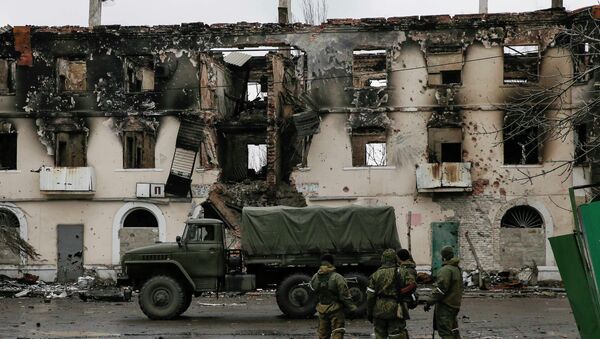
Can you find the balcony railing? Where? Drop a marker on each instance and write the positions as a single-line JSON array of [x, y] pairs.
[[76, 180], [444, 177]]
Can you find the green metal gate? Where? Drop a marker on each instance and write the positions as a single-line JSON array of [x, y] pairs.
[[442, 234]]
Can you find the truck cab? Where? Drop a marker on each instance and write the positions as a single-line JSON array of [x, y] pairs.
[[167, 275]]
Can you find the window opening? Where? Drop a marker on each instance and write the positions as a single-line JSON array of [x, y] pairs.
[[452, 152], [451, 77], [445, 144], [581, 140], [376, 154], [444, 65], [140, 218], [139, 71], [521, 64], [521, 146], [369, 68], [72, 75], [522, 217], [139, 149], [70, 149], [8, 146], [8, 72], [369, 147], [257, 158]]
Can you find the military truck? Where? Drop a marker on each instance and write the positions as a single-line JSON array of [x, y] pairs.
[[280, 248]]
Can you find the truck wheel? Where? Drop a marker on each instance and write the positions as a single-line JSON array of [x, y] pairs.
[[161, 298], [186, 302], [357, 285], [295, 298]]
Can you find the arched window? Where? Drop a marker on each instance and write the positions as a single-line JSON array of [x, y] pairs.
[[140, 218], [8, 219], [522, 217]]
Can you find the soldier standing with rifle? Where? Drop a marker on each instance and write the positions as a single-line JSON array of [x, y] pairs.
[[447, 296], [387, 286], [334, 299]]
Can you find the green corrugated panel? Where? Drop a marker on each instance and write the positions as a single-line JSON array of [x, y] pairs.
[[442, 234], [590, 226], [583, 299]]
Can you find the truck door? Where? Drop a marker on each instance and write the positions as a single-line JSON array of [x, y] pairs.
[[203, 255]]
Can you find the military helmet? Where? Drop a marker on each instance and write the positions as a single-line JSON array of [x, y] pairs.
[[388, 257], [447, 252]]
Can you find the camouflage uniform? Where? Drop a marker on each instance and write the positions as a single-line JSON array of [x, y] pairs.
[[447, 296], [383, 295], [334, 299]]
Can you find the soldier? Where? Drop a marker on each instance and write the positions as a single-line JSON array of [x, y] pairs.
[[447, 296], [386, 286], [334, 299], [405, 260]]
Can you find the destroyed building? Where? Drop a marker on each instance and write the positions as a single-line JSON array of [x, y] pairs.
[[112, 136]]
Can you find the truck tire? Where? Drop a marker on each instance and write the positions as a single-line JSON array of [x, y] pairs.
[[162, 298], [295, 298], [186, 303], [357, 285]]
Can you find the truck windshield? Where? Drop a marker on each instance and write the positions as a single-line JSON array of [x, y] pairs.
[[199, 233]]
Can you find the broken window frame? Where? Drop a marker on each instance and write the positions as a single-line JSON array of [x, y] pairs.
[[443, 60], [11, 77], [526, 75], [359, 140], [435, 144], [144, 144], [61, 78], [261, 155], [530, 149], [361, 78], [70, 149], [580, 139], [8, 146], [131, 69]]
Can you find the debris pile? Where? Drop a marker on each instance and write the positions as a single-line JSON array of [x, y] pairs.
[[86, 287]]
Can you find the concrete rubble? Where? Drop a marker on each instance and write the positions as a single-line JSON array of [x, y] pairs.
[[30, 286]]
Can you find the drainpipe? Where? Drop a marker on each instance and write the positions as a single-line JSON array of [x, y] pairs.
[[95, 13], [483, 6]]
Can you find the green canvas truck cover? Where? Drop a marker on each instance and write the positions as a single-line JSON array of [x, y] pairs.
[[291, 230]]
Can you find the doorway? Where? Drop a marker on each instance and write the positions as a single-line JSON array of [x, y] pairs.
[[442, 234], [70, 253]]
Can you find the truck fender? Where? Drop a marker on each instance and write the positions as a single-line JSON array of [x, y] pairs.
[[170, 262]]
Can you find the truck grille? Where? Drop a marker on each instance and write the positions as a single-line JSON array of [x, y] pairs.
[[154, 257]]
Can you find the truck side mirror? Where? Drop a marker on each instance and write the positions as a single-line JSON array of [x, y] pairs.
[[178, 239]]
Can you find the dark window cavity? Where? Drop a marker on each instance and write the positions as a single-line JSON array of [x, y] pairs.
[[70, 149], [8, 146], [139, 73], [445, 144], [522, 217], [521, 64], [8, 71], [369, 68], [444, 65], [140, 218], [138, 149], [521, 145]]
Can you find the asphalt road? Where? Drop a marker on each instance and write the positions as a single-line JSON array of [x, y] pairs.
[[257, 316]]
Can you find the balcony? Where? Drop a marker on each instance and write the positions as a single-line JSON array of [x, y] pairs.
[[444, 177], [71, 180]]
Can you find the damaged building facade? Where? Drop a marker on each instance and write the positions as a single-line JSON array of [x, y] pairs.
[[112, 137]]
